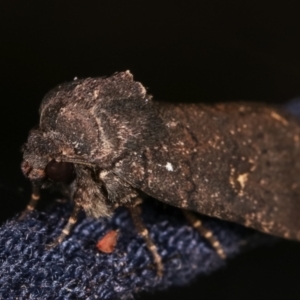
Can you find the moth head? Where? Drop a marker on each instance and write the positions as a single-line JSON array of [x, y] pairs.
[[45, 163], [39, 160]]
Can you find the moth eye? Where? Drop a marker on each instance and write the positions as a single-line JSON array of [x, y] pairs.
[[60, 171]]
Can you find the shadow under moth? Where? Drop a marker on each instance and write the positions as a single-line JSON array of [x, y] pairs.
[[108, 143]]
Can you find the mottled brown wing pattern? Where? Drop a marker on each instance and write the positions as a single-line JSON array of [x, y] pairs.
[[236, 161]]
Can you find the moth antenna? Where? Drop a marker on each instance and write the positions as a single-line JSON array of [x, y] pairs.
[[68, 227], [136, 213], [35, 197], [205, 232]]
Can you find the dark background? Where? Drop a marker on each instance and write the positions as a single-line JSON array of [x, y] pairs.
[[190, 50]]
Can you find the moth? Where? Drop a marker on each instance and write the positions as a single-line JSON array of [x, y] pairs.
[[107, 143]]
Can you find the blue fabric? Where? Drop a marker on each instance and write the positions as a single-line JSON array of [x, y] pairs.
[[77, 270], [293, 106]]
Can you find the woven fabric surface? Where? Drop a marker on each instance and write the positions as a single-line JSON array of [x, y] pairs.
[[77, 270]]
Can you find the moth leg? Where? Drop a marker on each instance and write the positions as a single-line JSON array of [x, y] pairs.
[[208, 234], [135, 212], [35, 197], [66, 231]]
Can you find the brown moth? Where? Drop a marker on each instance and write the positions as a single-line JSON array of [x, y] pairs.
[[108, 142]]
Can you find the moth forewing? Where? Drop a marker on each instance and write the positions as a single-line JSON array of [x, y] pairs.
[[236, 161]]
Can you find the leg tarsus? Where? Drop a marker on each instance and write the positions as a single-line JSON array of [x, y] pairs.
[[205, 232], [135, 212], [35, 197], [67, 229]]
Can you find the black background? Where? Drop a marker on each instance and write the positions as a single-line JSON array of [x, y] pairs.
[[183, 51]]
